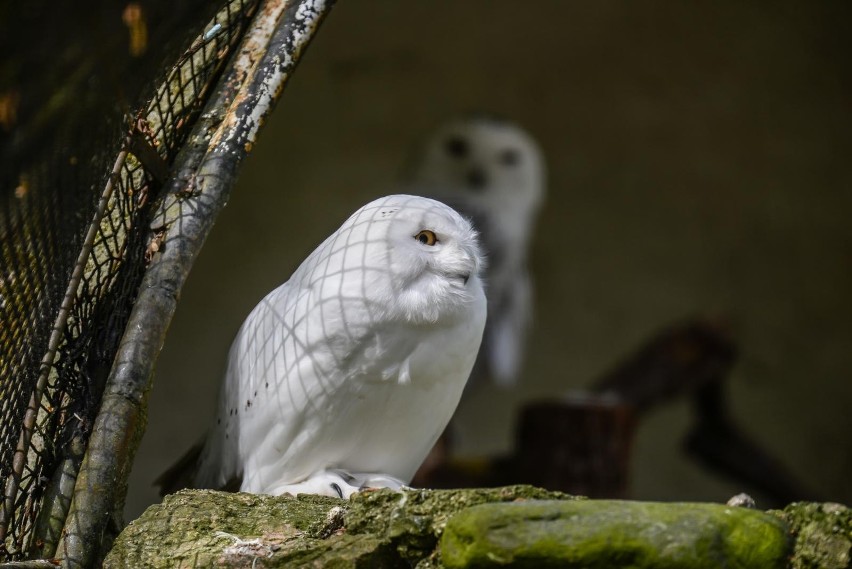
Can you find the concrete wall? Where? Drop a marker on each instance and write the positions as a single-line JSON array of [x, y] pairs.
[[698, 162]]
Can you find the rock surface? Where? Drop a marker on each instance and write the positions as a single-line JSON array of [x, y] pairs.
[[516, 526], [823, 535], [203, 528], [607, 533]]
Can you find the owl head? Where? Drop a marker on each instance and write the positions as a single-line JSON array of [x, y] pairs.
[[423, 259], [490, 164]]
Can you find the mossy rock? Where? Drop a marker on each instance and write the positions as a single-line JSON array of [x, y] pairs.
[[516, 526], [823, 535], [605, 533], [204, 528]]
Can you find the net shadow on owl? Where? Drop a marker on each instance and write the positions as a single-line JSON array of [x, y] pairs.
[[343, 377]]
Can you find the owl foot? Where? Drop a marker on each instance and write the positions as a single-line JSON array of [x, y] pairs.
[[324, 483]]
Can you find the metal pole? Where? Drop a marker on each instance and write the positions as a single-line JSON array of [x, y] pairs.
[[199, 188]]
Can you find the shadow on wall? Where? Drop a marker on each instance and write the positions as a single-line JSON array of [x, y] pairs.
[[697, 165]]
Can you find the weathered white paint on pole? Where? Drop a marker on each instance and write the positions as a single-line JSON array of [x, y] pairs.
[[198, 189]]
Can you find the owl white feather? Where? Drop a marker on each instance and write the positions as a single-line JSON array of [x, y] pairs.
[[493, 172], [344, 376]]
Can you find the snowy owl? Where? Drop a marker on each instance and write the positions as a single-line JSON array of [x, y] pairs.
[[344, 376], [492, 171]]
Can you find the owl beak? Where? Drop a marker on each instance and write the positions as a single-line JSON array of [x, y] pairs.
[[463, 277]]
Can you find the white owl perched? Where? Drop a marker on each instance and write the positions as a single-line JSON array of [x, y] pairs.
[[344, 376], [493, 172]]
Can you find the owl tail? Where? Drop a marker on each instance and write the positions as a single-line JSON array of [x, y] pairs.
[[182, 473]]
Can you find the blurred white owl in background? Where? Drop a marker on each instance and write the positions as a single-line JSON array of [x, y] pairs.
[[344, 376], [491, 171]]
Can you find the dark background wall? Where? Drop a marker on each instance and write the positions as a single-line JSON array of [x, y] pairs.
[[698, 164]]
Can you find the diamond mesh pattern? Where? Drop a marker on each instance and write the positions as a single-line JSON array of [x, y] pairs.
[[74, 242]]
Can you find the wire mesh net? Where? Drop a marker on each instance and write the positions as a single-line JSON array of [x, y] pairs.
[[80, 178]]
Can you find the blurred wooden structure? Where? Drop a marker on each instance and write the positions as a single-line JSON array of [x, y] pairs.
[[581, 444]]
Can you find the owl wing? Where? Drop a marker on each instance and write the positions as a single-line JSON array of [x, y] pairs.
[[263, 355], [213, 462], [286, 372]]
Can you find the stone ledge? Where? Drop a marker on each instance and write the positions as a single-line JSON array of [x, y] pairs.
[[514, 526]]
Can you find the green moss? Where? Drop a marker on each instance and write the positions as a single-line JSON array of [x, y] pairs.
[[613, 534], [517, 526], [413, 521], [823, 535]]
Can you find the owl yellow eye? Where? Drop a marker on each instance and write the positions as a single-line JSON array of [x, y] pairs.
[[427, 237]]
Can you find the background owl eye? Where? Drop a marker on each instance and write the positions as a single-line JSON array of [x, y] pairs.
[[456, 147], [509, 157], [427, 237]]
